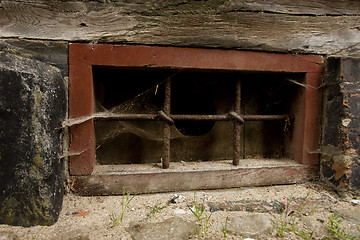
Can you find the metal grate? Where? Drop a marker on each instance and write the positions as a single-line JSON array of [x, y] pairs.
[[305, 131], [168, 119]]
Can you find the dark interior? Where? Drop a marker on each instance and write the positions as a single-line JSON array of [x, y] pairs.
[[141, 90]]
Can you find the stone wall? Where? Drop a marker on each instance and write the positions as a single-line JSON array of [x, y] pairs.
[[33, 76], [340, 165]]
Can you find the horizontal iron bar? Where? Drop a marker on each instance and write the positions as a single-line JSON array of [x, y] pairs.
[[127, 117], [156, 117], [226, 117], [264, 117]]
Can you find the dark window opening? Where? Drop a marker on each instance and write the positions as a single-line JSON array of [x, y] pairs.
[[120, 90]]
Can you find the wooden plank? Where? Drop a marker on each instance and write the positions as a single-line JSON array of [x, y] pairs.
[[313, 26], [305, 7], [85, 55], [172, 181]]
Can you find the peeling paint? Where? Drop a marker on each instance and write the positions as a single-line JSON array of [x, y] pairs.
[[339, 161], [346, 122], [340, 169]]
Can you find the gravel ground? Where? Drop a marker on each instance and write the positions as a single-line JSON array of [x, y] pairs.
[[90, 216]]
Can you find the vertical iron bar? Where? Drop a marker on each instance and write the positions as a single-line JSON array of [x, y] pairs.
[[166, 125], [237, 125]]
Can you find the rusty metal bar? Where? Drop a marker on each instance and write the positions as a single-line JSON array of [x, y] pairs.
[[264, 117], [168, 117], [227, 117], [126, 117], [224, 117], [236, 117], [237, 125], [166, 125]]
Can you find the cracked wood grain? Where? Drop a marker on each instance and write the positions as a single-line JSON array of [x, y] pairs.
[[311, 26]]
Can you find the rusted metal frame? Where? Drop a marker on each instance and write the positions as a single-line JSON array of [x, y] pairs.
[[237, 124], [166, 124], [171, 117]]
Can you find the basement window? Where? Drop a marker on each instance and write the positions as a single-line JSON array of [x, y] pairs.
[[169, 107], [201, 116]]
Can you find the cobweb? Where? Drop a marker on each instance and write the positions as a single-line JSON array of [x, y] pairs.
[[148, 102]]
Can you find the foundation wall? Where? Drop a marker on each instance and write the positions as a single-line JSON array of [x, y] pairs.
[[34, 38], [340, 165]]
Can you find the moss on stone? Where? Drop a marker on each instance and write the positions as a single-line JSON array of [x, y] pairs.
[[37, 160], [38, 96], [31, 177], [17, 53], [26, 210]]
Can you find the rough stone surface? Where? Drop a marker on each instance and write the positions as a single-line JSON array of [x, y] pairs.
[[5, 235], [349, 215], [54, 53], [247, 205], [172, 228], [341, 139], [355, 174], [73, 235], [320, 203], [251, 225], [314, 225], [32, 108]]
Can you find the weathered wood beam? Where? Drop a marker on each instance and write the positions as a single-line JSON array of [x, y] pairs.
[[305, 7], [181, 180], [313, 26]]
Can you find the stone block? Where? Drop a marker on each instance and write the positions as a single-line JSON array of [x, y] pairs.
[[341, 134], [54, 53], [171, 228], [252, 225], [32, 109]]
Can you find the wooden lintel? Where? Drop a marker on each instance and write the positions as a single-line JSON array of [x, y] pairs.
[[311, 26]]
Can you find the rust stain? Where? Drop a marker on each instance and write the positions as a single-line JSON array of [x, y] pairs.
[[350, 151], [340, 169], [346, 142]]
